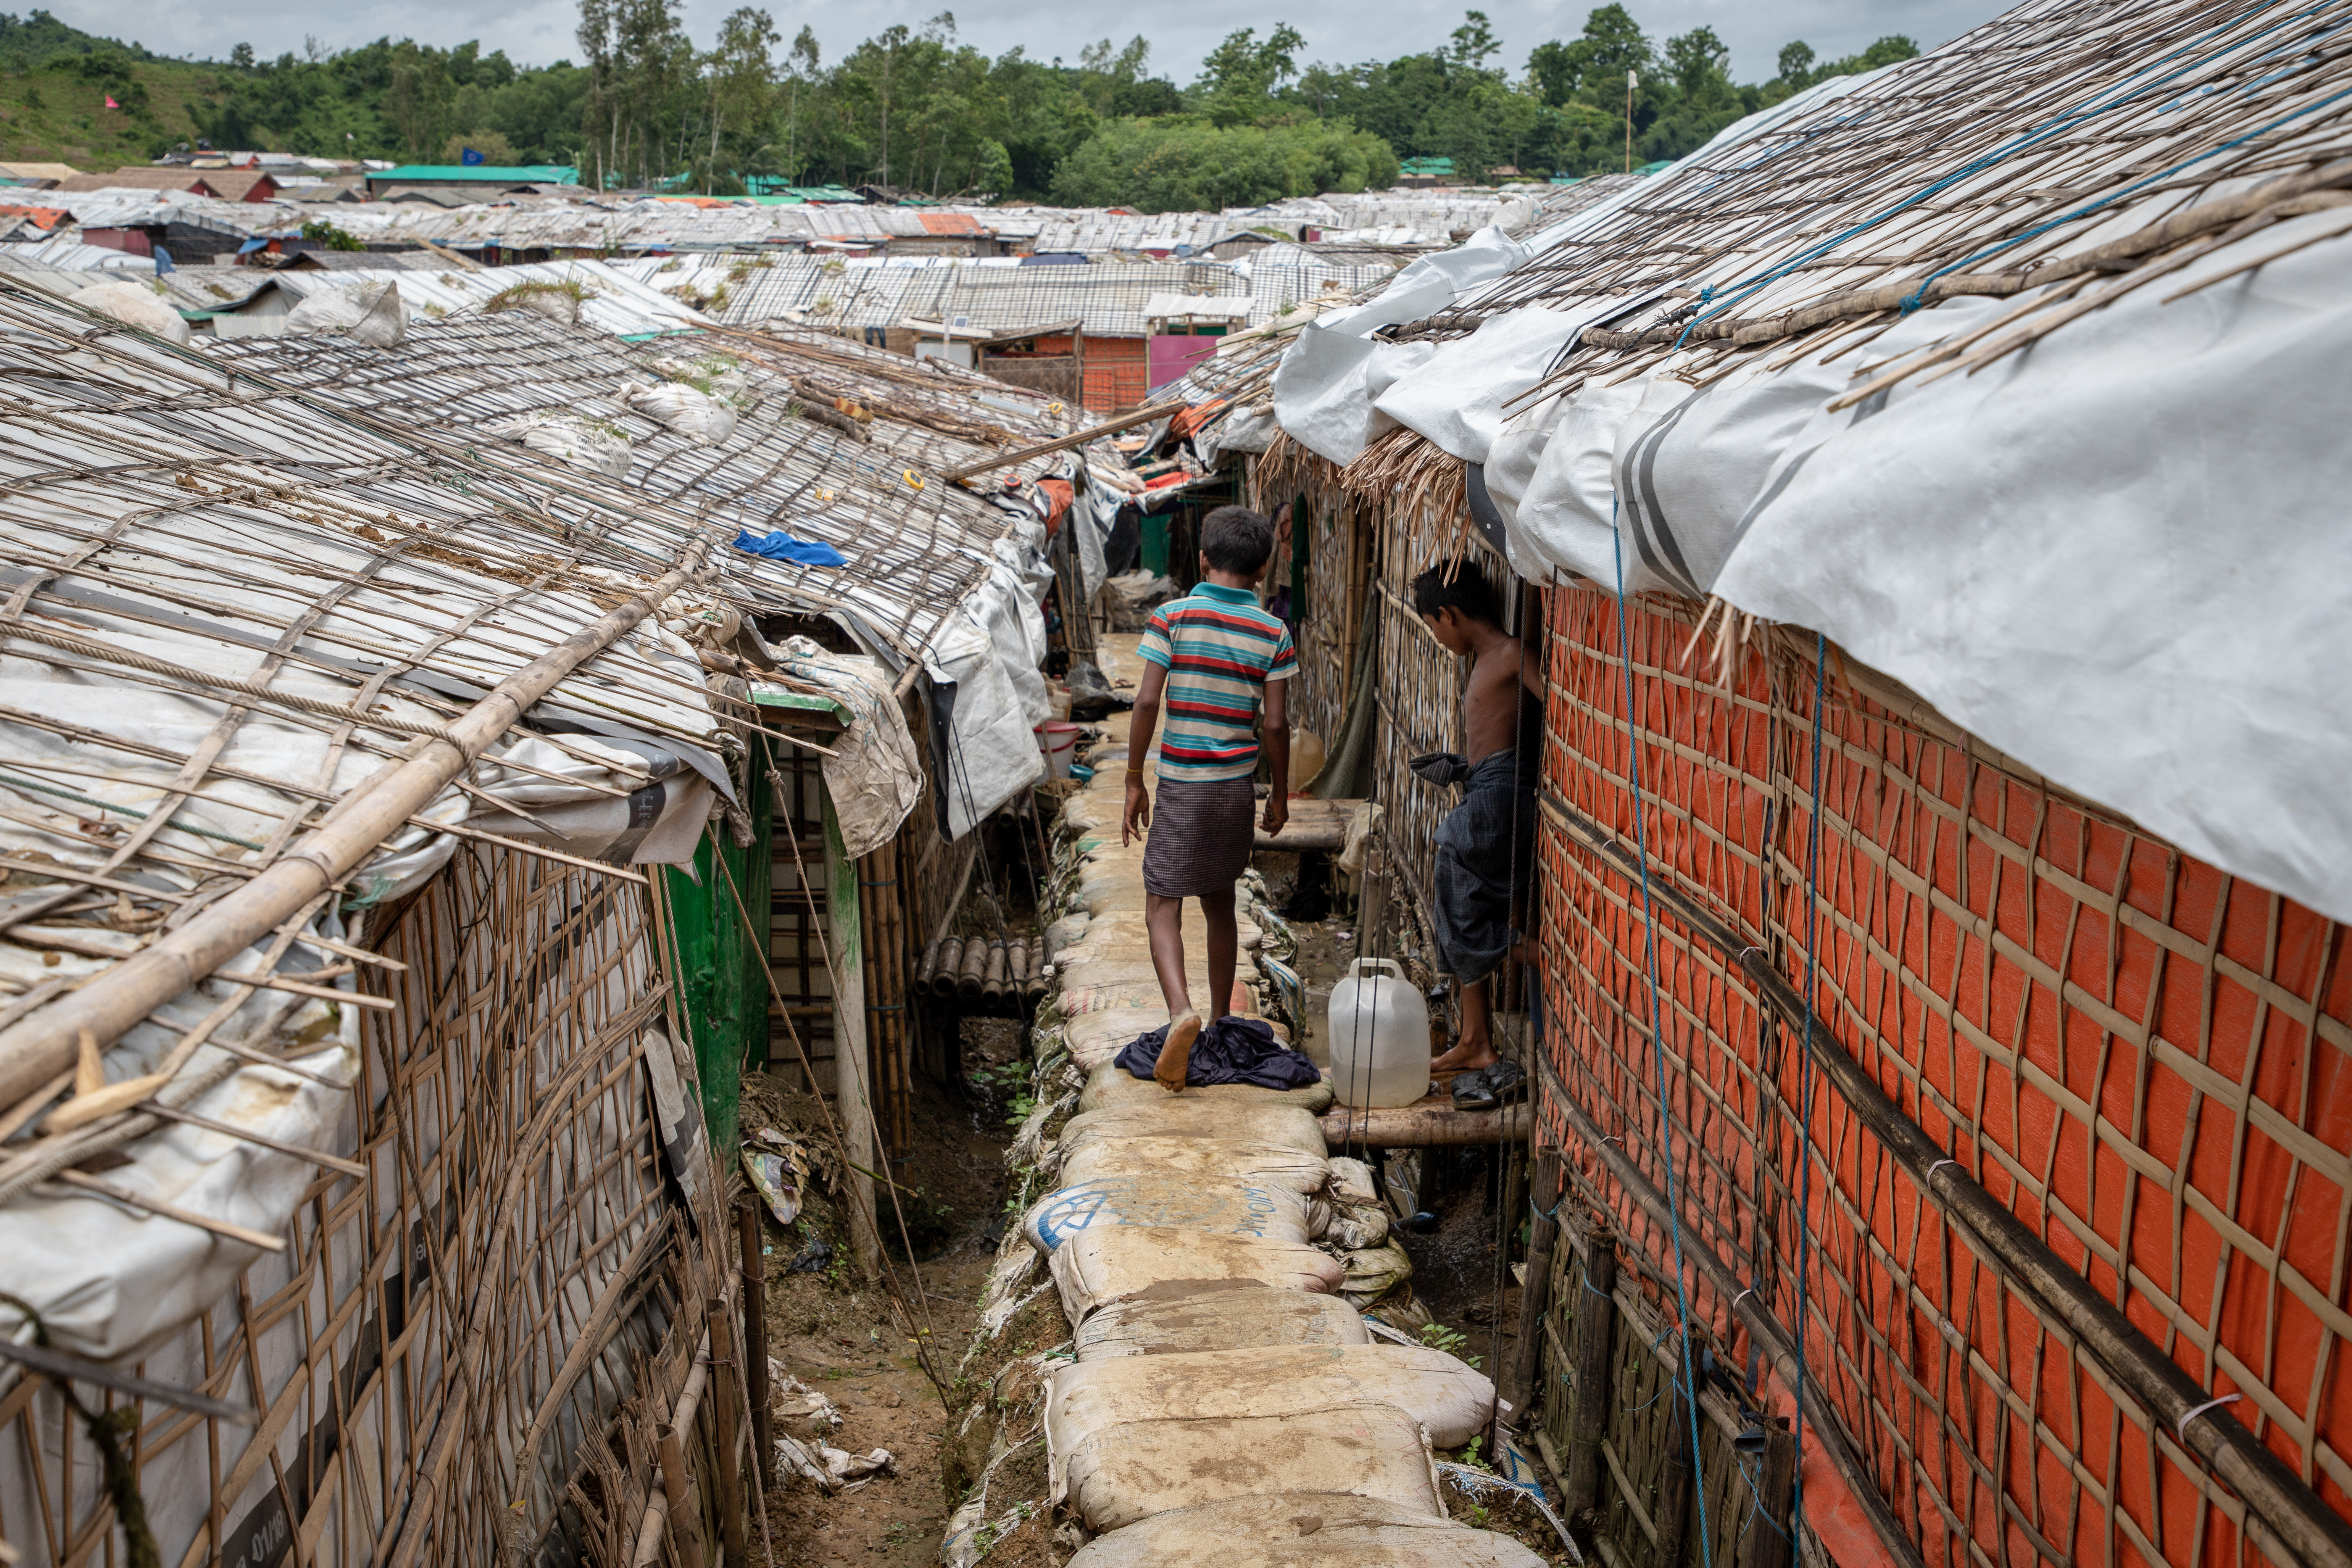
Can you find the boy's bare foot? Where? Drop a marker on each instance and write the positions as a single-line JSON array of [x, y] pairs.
[[1467, 1056], [1176, 1055]]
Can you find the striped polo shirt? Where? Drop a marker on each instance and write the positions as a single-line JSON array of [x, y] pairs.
[[1219, 650]]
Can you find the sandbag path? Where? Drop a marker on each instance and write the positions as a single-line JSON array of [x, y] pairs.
[[1223, 1395]]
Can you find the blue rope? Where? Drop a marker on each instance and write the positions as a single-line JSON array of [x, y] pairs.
[[1805, 1061], [2025, 141], [1658, 1038]]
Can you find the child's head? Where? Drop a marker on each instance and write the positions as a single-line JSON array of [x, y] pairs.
[[1449, 598], [1236, 542]]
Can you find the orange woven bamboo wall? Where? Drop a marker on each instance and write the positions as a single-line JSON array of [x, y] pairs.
[[2141, 1056]]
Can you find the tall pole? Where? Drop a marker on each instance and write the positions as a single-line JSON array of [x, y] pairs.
[[1631, 81]]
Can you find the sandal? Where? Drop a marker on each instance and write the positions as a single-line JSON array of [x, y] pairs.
[[1487, 1088]]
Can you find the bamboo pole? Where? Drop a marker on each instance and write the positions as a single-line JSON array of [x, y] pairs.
[[1543, 1234], [1596, 1331], [1109, 427], [755, 1333], [728, 1476], [991, 981], [974, 971], [654, 1524], [1676, 1478], [39, 1047], [1765, 1544], [684, 1513], [951, 965]]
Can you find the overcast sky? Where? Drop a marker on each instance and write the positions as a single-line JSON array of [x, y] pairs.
[[538, 31]]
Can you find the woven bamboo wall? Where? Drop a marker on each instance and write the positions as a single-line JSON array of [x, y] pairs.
[[515, 1222], [2141, 1057], [1635, 1437]]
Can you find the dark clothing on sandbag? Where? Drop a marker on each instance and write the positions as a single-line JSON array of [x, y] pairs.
[[1234, 1049], [1486, 858], [1201, 837]]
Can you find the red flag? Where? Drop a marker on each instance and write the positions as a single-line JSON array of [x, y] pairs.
[[111, 103]]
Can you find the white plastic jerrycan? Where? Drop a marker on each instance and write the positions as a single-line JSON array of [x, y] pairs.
[[1377, 1025]]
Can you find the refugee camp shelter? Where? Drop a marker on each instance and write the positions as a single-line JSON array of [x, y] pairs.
[[460, 1052], [1940, 1004]]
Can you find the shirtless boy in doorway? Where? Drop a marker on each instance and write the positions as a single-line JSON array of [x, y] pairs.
[[1485, 845]]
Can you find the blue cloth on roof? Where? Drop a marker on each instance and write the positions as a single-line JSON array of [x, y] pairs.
[[778, 546]]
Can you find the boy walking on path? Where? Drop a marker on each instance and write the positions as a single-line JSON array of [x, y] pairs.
[[1485, 846], [1215, 656]]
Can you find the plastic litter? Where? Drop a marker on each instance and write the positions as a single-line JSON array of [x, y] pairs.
[[832, 1470], [779, 1171]]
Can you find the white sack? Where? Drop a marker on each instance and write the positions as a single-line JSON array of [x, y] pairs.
[[1096, 1267], [1160, 1202], [1294, 1529], [574, 442], [1121, 1474], [1191, 1158], [1109, 1086], [370, 313], [1186, 1116], [706, 421], [1219, 1320], [1450, 1399], [135, 305], [2118, 556]]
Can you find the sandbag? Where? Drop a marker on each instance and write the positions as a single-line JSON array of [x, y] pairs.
[[1118, 1263], [1373, 1273], [1109, 1086], [591, 448], [1445, 1395], [1300, 1529], [1232, 1159], [1164, 1200], [706, 421], [370, 313], [1192, 1115], [135, 305], [1128, 1471], [1219, 1320]]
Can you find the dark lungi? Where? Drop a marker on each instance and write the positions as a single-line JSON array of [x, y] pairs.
[[1201, 837]]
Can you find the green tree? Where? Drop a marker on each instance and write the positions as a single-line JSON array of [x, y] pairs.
[[1241, 75], [1186, 163], [1473, 41]]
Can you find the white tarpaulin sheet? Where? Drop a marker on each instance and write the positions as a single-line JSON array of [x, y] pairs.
[[1329, 380], [2118, 557]]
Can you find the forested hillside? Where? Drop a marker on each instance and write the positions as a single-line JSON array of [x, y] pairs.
[[915, 108]]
